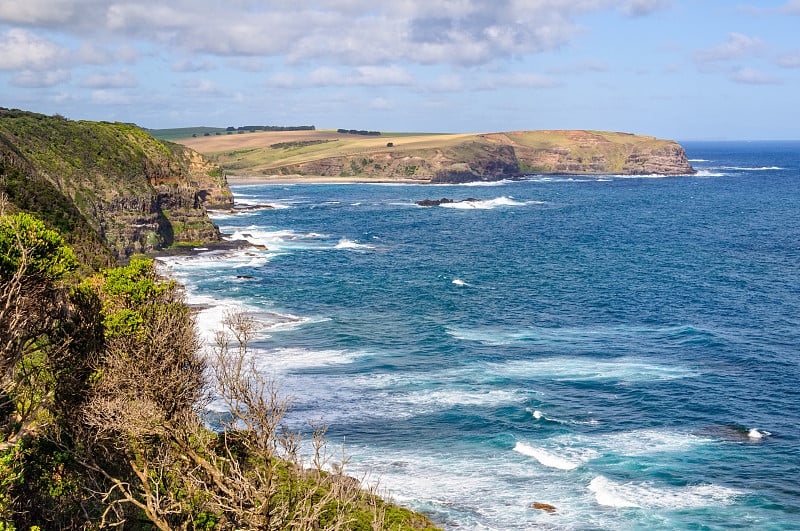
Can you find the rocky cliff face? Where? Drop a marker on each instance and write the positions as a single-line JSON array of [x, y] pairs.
[[595, 152], [491, 157], [465, 162], [112, 188]]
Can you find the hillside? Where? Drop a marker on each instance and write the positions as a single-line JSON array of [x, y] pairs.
[[111, 188], [440, 157]]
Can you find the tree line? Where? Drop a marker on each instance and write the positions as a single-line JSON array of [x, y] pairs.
[[358, 132], [272, 128]]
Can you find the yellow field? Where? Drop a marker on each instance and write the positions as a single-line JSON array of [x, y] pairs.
[[307, 155], [252, 153]]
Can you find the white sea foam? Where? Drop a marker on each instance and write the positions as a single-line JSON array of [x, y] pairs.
[[755, 434], [751, 168], [588, 369], [709, 173], [647, 442], [699, 160], [487, 183], [291, 359], [646, 495], [276, 239], [609, 494], [459, 282], [425, 402], [486, 204], [545, 457], [344, 243]]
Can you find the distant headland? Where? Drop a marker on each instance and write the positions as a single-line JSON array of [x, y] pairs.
[[341, 156]]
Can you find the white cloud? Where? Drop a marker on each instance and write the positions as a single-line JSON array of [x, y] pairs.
[[122, 79], [446, 83], [580, 68], [381, 104], [187, 65], [110, 97], [750, 76], [346, 32], [282, 80], [203, 87], [21, 49], [89, 53], [790, 60], [44, 12], [40, 78], [792, 7], [736, 47], [328, 76], [639, 8]]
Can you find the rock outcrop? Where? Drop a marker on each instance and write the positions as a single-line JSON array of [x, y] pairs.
[[111, 188]]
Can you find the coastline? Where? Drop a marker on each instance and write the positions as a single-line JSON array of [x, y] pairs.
[[315, 179]]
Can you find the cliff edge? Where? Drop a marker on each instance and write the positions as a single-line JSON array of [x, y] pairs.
[[442, 158], [111, 188]]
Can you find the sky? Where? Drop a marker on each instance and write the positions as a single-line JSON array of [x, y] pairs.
[[679, 69]]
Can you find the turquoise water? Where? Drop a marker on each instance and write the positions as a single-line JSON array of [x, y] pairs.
[[625, 349]]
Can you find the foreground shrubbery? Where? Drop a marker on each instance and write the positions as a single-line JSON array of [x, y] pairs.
[[102, 394]]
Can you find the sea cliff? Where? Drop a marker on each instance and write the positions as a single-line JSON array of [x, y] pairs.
[[111, 188], [449, 158]]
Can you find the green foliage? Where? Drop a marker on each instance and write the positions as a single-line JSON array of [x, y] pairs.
[[26, 243], [134, 284], [103, 407]]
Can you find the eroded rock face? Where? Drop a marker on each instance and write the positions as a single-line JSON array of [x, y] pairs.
[[667, 160], [130, 192], [496, 156]]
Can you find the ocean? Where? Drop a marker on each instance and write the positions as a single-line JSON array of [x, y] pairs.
[[625, 349]]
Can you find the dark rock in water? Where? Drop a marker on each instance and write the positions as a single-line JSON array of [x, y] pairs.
[[543, 507], [733, 433], [434, 202], [445, 201]]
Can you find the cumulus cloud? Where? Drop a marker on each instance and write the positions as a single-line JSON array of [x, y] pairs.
[[640, 8], [202, 87], [736, 47], [349, 32], [187, 65], [111, 97], [38, 12], [580, 68], [750, 76], [122, 79], [446, 83], [328, 76], [21, 49], [40, 78]]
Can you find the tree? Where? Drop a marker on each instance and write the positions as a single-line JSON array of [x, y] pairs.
[[33, 260]]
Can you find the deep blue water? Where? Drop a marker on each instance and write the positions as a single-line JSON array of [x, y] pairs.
[[625, 349]]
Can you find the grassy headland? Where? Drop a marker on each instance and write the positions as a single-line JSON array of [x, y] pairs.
[[425, 157]]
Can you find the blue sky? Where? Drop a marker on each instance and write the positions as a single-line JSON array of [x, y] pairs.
[[701, 69]]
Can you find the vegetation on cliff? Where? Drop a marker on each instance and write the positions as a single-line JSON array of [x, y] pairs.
[[103, 395], [110, 188], [444, 158], [104, 386]]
